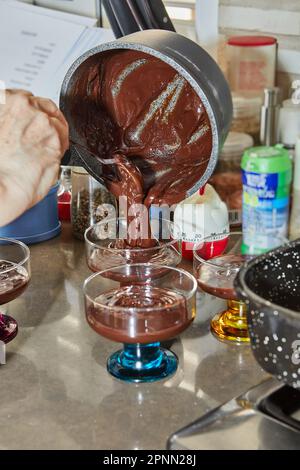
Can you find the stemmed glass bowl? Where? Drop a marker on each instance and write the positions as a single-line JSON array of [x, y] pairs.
[[14, 279], [215, 273], [105, 247], [141, 305]]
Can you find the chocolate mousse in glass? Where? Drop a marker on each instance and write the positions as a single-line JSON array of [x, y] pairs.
[[215, 275], [158, 307], [107, 246], [14, 279]]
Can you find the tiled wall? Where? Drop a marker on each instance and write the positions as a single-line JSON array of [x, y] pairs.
[[279, 18]]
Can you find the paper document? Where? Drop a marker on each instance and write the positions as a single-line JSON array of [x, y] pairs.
[[61, 15], [37, 49], [81, 7]]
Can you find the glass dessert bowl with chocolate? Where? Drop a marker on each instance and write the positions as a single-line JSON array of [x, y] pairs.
[[14, 279], [141, 314], [215, 273], [107, 244]]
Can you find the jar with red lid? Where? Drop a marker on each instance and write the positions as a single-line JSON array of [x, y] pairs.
[[251, 63]]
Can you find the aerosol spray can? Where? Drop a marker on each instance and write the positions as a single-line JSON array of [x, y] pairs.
[[267, 175]]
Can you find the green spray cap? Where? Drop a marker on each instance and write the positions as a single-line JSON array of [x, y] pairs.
[[266, 159]]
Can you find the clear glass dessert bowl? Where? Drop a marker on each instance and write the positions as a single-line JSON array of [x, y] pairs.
[[106, 245], [14, 279], [216, 271], [215, 275], [146, 305]]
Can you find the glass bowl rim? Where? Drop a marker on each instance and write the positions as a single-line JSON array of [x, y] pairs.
[[241, 233], [12, 241], [208, 262], [191, 293], [127, 250]]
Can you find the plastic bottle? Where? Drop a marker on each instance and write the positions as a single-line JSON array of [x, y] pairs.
[[289, 118]]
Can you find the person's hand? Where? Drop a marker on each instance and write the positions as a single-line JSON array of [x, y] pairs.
[[33, 138]]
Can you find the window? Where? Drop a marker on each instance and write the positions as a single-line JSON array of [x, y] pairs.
[[182, 14], [181, 10]]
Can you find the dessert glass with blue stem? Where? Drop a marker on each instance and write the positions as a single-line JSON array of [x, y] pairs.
[[141, 305]]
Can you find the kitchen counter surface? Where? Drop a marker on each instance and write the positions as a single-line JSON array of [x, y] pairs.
[[55, 392]]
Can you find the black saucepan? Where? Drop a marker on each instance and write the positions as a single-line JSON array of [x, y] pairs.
[[270, 285], [189, 59]]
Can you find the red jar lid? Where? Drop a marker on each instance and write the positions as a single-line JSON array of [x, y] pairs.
[[251, 41]]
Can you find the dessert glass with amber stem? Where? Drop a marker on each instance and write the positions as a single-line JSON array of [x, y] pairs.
[[14, 279], [146, 305], [104, 247], [215, 275]]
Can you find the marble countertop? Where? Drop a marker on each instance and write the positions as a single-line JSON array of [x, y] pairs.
[[55, 392]]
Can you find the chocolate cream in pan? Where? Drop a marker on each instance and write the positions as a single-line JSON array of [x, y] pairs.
[[148, 114]]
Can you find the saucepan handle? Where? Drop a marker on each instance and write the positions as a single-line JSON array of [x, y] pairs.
[[130, 16], [155, 14]]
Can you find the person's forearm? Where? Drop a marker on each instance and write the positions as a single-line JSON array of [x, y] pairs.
[[4, 206], [9, 210], [33, 137]]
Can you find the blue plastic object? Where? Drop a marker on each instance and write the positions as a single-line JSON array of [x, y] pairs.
[[38, 224], [142, 363]]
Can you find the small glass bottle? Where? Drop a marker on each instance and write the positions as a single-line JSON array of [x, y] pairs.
[[88, 197], [64, 194]]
